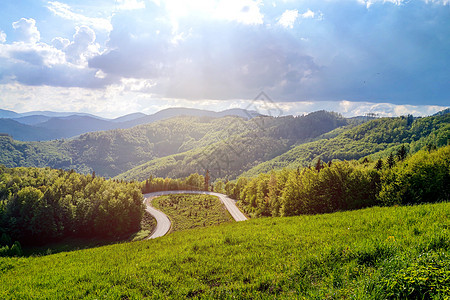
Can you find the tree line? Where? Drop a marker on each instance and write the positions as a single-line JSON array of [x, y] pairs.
[[399, 178], [345, 185], [38, 205], [194, 182]]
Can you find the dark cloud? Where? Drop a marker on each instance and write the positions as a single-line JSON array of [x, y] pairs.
[[60, 75], [388, 52]]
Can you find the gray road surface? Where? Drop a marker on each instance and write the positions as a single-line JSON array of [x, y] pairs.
[[162, 221]]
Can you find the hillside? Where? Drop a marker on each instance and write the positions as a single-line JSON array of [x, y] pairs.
[[112, 152], [8, 114], [375, 138], [26, 132], [32, 120], [193, 112], [376, 253], [227, 146], [46, 125], [260, 139]]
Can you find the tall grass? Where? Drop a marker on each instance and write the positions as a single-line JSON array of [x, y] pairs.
[[375, 253]]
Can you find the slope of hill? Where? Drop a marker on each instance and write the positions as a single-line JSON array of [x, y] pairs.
[[56, 114], [227, 146], [32, 120], [262, 139], [113, 152], [25, 132], [376, 253], [8, 114], [129, 117], [376, 138], [75, 125], [45, 125], [193, 112]]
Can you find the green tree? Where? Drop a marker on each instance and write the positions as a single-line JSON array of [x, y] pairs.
[[290, 198], [390, 161], [273, 195], [379, 164], [423, 177], [402, 153], [319, 165], [219, 187]]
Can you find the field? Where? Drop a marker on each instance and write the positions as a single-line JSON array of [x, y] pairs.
[[374, 253], [192, 211]]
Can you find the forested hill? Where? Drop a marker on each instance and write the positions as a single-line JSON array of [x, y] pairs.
[[376, 138], [227, 146], [110, 153], [262, 139]]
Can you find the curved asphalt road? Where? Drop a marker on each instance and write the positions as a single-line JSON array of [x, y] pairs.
[[162, 221]]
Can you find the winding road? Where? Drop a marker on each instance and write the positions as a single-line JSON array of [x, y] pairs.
[[163, 222]]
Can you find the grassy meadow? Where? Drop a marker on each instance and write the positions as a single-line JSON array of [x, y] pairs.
[[191, 211], [374, 253]]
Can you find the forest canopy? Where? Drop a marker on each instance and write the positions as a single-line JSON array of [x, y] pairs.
[[38, 205]]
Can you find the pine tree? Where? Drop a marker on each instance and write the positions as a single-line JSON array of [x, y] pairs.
[[391, 160], [431, 147], [379, 164], [401, 153], [319, 165]]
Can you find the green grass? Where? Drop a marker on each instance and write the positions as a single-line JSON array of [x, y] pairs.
[[375, 253], [192, 211]]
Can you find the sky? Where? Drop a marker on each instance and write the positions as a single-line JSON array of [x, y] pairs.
[[113, 57]]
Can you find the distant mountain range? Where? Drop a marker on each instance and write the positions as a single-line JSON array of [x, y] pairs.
[[48, 125]]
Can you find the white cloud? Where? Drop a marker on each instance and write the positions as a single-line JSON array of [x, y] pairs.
[[64, 11], [82, 47], [60, 43], [26, 30], [242, 11], [309, 14], [288, 18], [369, 3], [62, 63], [130, 4], [442, 2], [39, 54], [2, 37]]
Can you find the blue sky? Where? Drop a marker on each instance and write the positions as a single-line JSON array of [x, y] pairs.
[[112, 57]]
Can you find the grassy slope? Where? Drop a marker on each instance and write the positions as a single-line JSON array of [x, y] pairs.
[[364, 254], [191, 211], [377, 138]]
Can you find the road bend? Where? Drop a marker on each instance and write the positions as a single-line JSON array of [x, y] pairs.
[[163, 223]]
